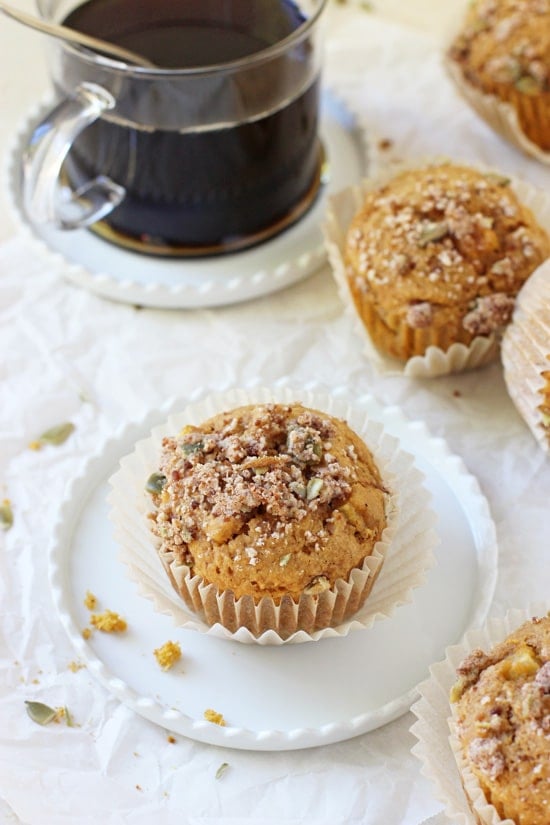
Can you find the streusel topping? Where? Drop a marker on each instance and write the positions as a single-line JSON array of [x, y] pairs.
[[254, 500]]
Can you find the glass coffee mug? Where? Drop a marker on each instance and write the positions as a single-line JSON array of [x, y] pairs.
[[215, 150]]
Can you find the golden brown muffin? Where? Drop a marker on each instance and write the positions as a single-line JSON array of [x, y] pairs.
[[268, 501], [503, 50], [526, 355], [502, 721], [437, 255]]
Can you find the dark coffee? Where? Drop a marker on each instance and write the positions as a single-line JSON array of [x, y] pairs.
[[221, 186]]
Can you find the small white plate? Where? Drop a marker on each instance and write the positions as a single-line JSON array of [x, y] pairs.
[[107, 270], [274, 698]]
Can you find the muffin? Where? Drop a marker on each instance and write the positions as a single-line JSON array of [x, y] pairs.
[[501, 721], [436, 255], [526, 355], [270, 505], [501, 58]]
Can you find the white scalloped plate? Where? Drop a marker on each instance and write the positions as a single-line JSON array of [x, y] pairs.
[[107, 270], [274, 698]]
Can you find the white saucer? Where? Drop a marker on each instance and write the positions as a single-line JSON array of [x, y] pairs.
[[94, 264], [274, 698]]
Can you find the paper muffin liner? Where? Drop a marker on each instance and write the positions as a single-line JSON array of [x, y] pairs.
[[526, 352], [437, 748], [341, 209], [404, 553], [500, 115]]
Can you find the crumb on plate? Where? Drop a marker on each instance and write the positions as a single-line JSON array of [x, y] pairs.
[[108, 622], [168, 654], [90, 601], [214, 717]]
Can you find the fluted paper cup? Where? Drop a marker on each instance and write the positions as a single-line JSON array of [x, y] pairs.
[[526, 354]]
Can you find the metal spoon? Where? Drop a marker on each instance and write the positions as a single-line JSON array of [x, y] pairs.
[[72, 36]]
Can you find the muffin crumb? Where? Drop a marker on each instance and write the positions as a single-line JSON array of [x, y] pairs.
[[168, 654], [214, 717], [90, 601], [108, 622]]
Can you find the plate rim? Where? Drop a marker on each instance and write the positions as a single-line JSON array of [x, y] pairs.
[[92, 474]]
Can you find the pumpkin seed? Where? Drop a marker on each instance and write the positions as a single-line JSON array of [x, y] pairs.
[[222, 769], [6, 515], [155, 483], [317, 449], [189, 449], [297, 488], [313, 488], [433, 232], [527, 85], [57, 435], [284, 560], [40, 713], [498, 180]]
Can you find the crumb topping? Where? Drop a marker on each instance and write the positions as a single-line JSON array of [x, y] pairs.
[[486, 754], [279, 466], [489, 313], [262, 488]]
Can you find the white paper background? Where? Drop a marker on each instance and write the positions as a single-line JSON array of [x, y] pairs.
[[60, 344]]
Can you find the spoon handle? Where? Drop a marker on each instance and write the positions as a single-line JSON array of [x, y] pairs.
[[73, 36]]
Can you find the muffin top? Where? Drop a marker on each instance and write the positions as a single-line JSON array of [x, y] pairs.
[[443, 245], [505, 44], [502, 720], [268, 500]]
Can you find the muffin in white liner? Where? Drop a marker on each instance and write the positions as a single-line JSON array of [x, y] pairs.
[[437, 747], [459, 357], [500, 114], [405, 552], [526, 355]]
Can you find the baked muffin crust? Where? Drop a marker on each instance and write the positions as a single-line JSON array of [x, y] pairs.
[[437, 256], [502, 721], [269, 500]]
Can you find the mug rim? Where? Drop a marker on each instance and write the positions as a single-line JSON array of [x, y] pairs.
[[254, 59]]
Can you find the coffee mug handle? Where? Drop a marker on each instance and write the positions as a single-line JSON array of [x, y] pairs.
[[45, 199]]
